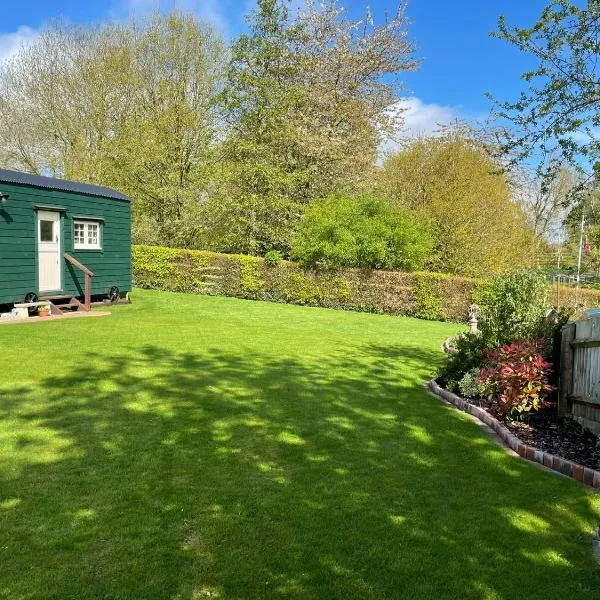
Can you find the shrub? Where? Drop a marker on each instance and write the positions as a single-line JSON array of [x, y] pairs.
[[366, 232], [469, 384], [429, 304], [273, 257], [155, 261], [515, 378], [515, 304], [250, 273], [470, 354], [299, 289]]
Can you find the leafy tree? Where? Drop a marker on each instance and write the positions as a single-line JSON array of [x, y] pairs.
[[363, 231], [452, 182], [558, 114], [168, 146], [546, 201], [125, 105], [591, 259], [588, 205], [247, 223], [306, 99]]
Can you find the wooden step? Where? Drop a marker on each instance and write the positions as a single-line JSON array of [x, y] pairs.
[[55, 297], [55, 310], [79, 305], [69, 307]]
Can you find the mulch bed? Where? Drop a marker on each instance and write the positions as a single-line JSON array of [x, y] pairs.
[[558, 436], [558, 444], [561, 437]]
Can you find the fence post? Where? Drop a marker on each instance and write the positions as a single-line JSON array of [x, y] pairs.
[[565, 384]]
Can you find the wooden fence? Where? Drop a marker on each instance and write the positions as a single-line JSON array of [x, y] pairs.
[[579, 392]]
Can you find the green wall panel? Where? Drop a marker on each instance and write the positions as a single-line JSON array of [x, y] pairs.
[[18, 241]]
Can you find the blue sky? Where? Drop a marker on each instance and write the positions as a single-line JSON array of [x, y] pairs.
[[460, 60]]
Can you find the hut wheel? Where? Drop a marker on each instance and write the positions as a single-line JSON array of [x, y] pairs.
[[31, 297], [114, 294]]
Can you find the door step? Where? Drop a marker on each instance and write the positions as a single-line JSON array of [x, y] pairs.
[[75, 304], [59, 307], [52, 298]]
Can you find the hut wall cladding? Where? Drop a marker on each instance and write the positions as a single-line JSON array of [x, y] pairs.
[[580, 372], [18, 248]]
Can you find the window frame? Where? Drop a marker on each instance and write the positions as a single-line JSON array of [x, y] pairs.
[[85, 223]]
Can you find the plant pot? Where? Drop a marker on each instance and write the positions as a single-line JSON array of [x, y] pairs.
[[43, 313]]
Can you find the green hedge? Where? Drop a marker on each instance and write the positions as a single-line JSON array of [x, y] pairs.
[[434, 296], [425, 295]]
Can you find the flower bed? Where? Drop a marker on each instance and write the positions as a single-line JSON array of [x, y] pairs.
[[508, 370], [547, 431], [562, 437], [544, 457]]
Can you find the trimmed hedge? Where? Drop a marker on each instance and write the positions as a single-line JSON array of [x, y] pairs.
[[434, 296]]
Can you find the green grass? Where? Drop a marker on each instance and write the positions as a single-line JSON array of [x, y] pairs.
[[192, 447]]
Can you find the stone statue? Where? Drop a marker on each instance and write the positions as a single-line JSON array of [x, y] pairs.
[[474, 314]]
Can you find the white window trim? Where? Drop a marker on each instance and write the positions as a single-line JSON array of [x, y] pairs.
[[86, 245]]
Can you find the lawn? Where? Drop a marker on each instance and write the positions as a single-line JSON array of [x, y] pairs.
[[191, 447]]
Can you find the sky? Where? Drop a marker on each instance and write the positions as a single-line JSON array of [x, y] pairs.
[[460, 61]]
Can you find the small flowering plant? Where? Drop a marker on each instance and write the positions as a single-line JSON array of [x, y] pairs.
[[515, 377]]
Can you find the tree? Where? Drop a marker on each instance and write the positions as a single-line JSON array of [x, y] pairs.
[[129, 106], [168, 146], [558, 114], [452, 182], [587, 206], [364, 231], [246, 223], [305, 101], [546, 201]]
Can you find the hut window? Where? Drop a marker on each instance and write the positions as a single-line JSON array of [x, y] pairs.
[[86, 235], [46, 231]]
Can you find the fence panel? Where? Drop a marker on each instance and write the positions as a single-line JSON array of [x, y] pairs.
[[579, 394]]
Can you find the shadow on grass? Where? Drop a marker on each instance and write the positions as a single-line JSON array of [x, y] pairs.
[[173, 475]]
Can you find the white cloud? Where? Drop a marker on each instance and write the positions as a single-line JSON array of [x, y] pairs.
[[209, 10], [422, 119], [418, 119], [10, 43]]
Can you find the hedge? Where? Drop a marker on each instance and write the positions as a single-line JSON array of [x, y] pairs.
[[433, 296]]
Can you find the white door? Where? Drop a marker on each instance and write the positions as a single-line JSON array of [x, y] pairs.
[[48, 232]]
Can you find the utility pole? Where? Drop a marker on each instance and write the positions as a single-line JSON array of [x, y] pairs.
[[580, 248]]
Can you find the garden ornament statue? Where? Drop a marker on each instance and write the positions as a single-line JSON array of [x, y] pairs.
[[474, 313]]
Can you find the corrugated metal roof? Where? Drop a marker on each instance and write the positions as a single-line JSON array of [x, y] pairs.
[[51, 183]]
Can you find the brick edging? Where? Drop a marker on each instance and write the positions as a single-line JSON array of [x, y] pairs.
[[556, 463]]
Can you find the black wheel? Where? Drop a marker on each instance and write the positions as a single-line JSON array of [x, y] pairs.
[[114, 294], [31, 297]]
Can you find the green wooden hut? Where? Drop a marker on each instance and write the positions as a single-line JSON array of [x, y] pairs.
[[62, 241]]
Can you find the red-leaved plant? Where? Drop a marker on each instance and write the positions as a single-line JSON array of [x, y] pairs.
[[515, 377]]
